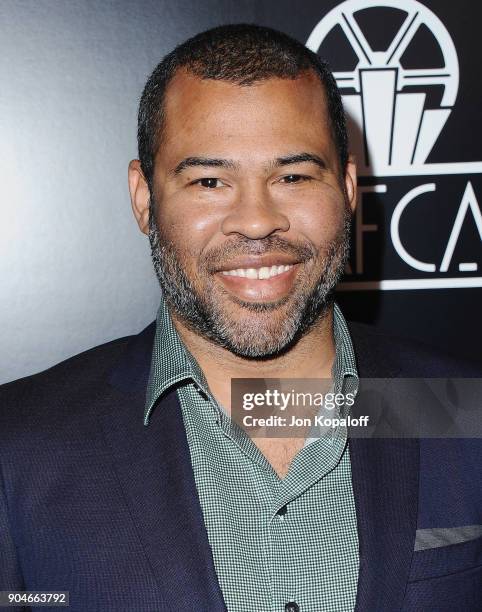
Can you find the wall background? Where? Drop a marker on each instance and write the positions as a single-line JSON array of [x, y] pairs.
[[75, 271]]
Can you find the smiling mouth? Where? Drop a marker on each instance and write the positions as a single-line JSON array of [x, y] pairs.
[[262, 273], [262, 284]]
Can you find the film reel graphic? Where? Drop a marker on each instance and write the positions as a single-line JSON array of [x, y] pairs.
[[391, 127]]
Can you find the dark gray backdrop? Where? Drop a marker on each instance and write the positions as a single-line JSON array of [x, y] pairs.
[[76, 272]]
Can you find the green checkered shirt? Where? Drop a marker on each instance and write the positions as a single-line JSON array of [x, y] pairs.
[[308, 552]]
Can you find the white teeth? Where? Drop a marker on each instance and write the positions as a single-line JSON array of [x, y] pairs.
[[257, 273], [264, 273]]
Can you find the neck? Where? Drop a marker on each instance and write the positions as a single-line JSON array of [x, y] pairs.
[[311, 357]]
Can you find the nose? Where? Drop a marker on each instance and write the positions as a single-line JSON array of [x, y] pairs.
[[255, 215]]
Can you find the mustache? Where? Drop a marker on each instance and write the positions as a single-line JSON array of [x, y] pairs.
[[245, 246]]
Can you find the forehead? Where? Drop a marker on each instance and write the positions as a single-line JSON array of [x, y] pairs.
[[209, 113]]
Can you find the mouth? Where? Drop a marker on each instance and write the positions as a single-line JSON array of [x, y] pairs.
[[262, 273], [259, 280]]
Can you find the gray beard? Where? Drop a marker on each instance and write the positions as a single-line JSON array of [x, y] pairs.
[[263, 338]]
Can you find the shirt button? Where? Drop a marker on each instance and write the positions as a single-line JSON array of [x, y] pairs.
[[281, 512], [291, 606]]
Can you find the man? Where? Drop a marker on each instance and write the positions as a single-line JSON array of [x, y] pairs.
[[124, 479]]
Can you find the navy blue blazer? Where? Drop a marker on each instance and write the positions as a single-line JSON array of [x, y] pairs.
[[94, 503]]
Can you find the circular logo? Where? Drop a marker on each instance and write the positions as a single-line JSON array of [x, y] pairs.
[[391, 120]]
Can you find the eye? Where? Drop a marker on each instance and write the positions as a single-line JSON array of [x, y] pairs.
[[209, 183], [294, 178]]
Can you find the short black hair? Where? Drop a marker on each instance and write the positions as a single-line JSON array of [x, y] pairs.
[[242, 54]]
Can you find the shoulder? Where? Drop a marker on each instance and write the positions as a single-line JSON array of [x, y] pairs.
[[381, 354], [67, 389], [77, 371]]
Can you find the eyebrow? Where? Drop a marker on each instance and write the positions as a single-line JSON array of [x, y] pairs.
[[213, 162], [206, 162], [300, 158]]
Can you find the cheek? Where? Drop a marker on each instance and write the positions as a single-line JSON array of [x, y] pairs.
[[320, 219], [189, 231]]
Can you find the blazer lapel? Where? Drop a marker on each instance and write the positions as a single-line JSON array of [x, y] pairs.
[[385, 485], [154, 469], [385, 476]]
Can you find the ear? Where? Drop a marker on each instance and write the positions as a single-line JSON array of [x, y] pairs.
[[140, 196], [351, 182]]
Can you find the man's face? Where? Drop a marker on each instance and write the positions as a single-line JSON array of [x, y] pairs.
[[250, 216]]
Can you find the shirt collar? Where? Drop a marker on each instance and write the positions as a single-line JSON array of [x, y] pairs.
[[345, 363], [172, 363]]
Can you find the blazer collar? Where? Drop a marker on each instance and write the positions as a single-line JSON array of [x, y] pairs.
[[385, 477]]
